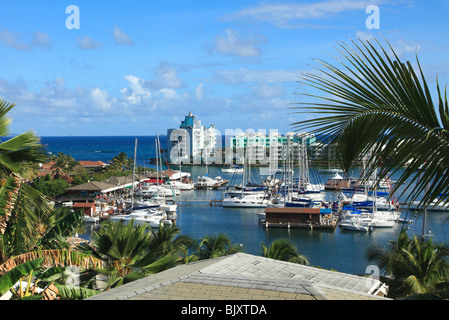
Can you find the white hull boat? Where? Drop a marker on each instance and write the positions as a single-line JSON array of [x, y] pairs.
[[354, 226], [151, 217], [248, 201], [206, 182], [182, 185], [89, 219], [357, 223], [233, 169]]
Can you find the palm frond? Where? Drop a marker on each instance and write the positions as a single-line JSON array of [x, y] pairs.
[[373, 103], [23, 147], [53, 258]]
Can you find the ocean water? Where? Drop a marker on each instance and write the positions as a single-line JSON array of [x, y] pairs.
[[340, 250]]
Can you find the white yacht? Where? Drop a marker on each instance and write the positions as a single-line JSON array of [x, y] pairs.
[[357, 224], [152, 217], [246, 201], [233, 169], [206, 182], [178, 185]]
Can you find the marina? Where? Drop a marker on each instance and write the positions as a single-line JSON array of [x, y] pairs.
[[200, 212]]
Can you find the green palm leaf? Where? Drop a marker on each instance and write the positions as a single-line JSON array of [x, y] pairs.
[[8, 279], [373, 103]]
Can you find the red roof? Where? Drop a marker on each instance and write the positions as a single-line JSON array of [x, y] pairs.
[[92, 163]]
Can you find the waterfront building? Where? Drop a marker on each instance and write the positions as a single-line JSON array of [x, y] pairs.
[[259, 146], [191, 141]]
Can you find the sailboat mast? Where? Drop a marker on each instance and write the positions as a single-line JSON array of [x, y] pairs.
[[134, 172], [157, 161]]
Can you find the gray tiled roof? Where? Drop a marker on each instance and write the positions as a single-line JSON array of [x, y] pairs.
[[252, 274]]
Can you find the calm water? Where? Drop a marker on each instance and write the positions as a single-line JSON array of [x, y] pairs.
[[340, 250]]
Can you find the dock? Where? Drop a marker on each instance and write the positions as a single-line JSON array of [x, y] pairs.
[[298, 217], [216, 202]]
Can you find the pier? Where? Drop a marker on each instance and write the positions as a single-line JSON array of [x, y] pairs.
[[216, 202]]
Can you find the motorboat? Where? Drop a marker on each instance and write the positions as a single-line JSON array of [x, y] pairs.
[[366, 201], [152, 217], [233, 169], [246, 201], [356, 225], [238, 191], [379, 219], [89, 219], [163, 205], [206, 182], [162, 190], [178, 185]]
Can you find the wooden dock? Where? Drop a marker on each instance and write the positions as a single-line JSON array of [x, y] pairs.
[[216, 202]]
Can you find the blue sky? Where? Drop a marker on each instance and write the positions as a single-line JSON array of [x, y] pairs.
[[137, 67]]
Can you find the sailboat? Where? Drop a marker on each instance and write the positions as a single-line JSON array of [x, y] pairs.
[[153, 216], [302, 193], [206, 182], [379, 218], [246, 196]]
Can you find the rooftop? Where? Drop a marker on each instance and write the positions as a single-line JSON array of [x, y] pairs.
[[247, 277]]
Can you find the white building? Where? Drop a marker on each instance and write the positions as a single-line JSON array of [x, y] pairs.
[[192, 142], [262, 147]]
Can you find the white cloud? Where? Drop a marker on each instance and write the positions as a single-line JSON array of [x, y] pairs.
[[100, 99], [166, 77], [41, 39], [121, 38], [282, 14], [136, 93], [199, 91], [12, 39], [168, 93], [266, 91], [234, 44], [246, 75], [86, 43]]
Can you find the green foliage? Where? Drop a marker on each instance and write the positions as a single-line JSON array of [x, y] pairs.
[[373, 103], [121, 162], [9, 279], [414, 265], [51, 188], [125, 249], [215, 245], [282, 249]]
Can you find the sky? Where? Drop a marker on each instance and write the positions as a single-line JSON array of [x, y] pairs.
[[102, 68]]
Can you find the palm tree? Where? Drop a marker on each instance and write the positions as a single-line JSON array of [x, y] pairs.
[[121, 162], [375, 103], [18, 201], [282, 249], [413, 265], [215, 245], [125, 250], [64, 164], [167, 240]]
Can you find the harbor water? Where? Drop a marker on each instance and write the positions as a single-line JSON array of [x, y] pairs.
[[339, 250]]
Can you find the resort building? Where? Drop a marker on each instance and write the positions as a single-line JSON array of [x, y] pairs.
[[191, 142], [259, 146]]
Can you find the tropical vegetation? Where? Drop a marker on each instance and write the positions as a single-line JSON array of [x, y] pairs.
[[372, 106], [413, 265], [283, 250]]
